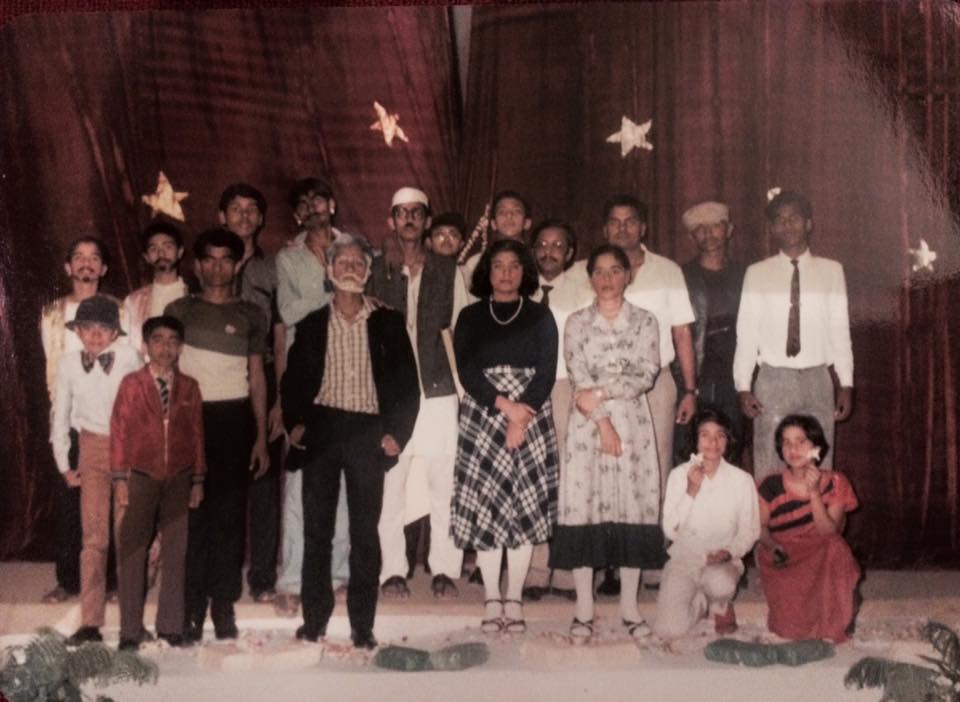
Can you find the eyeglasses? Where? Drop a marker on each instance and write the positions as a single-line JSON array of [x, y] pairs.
[[415, 213], [555, 245]]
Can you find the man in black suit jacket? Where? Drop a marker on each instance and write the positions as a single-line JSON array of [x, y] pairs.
[[350, 397]]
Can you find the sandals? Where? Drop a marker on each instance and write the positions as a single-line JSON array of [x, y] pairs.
[[514, 626], [581, 631], [637, 630], [493, 625]]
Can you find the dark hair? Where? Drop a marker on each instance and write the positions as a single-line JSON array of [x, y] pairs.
[[810, 426], [218, 238], [165, 321], [89, 239], [308, 185], [160, 227], [243, 190], [480, 283], [513, 195], [447, 219], [568, 232], [789, 197], [624, 200], [711, 413], [611, 249]]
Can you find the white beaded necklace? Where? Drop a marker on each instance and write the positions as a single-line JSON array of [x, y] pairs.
[[512, 317]]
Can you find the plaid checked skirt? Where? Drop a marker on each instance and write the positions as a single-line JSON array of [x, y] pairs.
[[503, 498]]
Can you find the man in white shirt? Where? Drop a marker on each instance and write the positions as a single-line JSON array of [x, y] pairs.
[[793, 323], [554, 245], [162, 250], [511, 220], [428, 289]]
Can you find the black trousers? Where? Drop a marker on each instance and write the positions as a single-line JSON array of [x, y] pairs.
[[69, 533], [215, 541], [352, 446], [265, 499]]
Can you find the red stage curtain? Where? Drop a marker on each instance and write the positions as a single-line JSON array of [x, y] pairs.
[[94, 105]]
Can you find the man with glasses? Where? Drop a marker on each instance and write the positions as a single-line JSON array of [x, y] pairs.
[[430, 293]]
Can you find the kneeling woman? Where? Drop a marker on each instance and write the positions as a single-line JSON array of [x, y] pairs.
[[610, 485], [808, 572], [710, 514], [505, 482]]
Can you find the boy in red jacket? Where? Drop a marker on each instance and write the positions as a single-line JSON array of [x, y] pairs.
[[157, 458]]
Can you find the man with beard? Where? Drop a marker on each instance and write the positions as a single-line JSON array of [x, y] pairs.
[[162, 250], [223, 347], [429, 293], [242, 211], [303, 287], [554, 247], [350, 400], [86, 265]]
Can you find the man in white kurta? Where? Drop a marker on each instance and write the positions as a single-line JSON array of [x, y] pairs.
[[722, 515]]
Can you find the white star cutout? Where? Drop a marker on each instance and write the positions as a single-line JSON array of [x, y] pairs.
[[923, 257], [772, 193], [387, 123], [631, 136], [165, 199]]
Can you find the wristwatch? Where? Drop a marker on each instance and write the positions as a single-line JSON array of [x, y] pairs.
[[692, 391]]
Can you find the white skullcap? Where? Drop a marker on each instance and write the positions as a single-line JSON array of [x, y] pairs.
[[405, 196], [708, 212]]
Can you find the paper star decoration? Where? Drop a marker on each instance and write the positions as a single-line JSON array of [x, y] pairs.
[[631, 136], [772, 193], [387, 123], [165, 199], [923, 257]]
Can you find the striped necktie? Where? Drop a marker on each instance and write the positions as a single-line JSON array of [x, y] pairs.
[[164, 387]]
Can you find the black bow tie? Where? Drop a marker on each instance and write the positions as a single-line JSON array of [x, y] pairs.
[[105, 360]]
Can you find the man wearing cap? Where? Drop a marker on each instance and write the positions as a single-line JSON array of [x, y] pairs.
[[223, 348], [87, 384], [714, 283], [349, 400], [86, 264], [430, 293], [243, 210], [303, 287], [793, 323]]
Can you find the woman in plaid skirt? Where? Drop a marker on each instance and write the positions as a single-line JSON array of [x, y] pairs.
[[505, 492]]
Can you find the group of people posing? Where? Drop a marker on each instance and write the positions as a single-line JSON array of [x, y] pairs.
[[560, 417]]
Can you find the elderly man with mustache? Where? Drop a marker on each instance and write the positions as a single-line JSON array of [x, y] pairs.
[[350, 397]]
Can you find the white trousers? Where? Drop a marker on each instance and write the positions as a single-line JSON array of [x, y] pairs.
[[689, 590], [423, 478]]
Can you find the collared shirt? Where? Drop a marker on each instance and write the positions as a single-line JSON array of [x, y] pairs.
[[256, 282], [150, 301], [348, 373], [658, 286], [84, 400], [764, 315], [567, 295], [301, 283], [725, 513]]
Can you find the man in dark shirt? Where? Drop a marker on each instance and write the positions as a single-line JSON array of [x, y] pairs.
[[714, 284]]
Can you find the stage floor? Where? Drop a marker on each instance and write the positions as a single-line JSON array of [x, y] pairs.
[[266, 663]]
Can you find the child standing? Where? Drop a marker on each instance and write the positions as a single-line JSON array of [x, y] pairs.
[[87, 382], [156, 451]]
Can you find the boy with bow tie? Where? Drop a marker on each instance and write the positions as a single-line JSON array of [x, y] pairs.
[[87, 383]]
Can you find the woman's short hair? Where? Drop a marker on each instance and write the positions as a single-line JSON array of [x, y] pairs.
[[711, 413], [480, 283], [810, 426], [611, 249]]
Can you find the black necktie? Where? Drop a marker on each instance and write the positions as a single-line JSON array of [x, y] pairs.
[[105, 360], [545, 300], [793, 322], [164, 389]]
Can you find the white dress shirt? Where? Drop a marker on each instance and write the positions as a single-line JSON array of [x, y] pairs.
[[566, 297], [765, 310], [658, 287], [84, 400], [725, 514]]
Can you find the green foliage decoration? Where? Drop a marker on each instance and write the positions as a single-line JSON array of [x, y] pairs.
[[755, 655]]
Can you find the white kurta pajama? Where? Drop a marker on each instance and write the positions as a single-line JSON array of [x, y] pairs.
[[724, 515]]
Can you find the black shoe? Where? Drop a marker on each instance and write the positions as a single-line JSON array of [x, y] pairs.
[[176, 640], [307, 632], [534, 593], [224, 620], [128, 645], [610, 585], [192, 633], [85, 634], [364, 640]]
